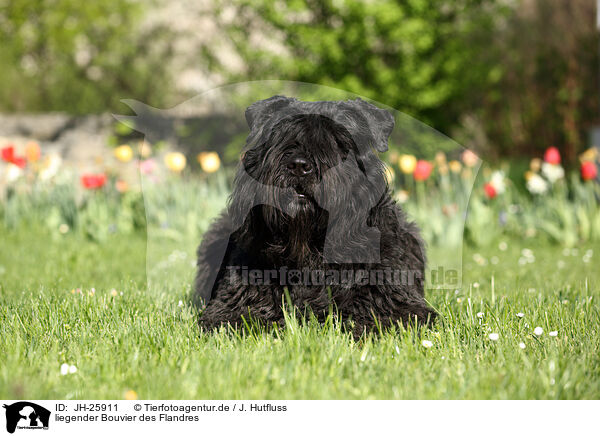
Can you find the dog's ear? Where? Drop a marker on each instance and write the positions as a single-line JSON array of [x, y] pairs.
[[258, 112], [379, 121]]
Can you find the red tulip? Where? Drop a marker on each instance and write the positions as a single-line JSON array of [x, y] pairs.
[[8, 153], [552, 155], [422, 170], [19, 161], [93, 181], [490, 191], [589, 171]]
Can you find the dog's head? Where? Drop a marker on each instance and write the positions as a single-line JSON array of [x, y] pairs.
[[322, 155]]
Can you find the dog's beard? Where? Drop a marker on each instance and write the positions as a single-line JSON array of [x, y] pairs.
[[296, 220], [301, 206], [294, 210]]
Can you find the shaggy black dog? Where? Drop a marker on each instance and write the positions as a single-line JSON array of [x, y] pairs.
[[311, 222]]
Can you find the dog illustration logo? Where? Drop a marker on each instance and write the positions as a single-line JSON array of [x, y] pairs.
[[26, 415]]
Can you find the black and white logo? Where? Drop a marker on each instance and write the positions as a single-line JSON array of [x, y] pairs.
[[26, 415]]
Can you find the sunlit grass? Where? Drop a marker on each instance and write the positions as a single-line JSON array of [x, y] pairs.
[[127, 339]]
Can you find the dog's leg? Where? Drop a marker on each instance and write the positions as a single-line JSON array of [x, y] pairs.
[[238, 305], [372, 313], [212, 253]]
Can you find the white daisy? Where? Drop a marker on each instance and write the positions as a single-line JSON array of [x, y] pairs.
[[64, 369], [527, 252], [538, 331], [426, 343], [494, 336]]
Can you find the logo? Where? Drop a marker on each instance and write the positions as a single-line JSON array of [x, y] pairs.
[[26, 415]]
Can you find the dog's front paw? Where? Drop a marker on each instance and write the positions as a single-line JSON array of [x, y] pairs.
[[419, 315]]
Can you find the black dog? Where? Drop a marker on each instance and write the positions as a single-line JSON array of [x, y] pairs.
[[311, 220]]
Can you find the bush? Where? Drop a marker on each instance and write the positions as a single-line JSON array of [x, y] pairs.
[[80, 57]]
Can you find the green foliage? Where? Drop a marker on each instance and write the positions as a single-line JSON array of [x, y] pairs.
[[568, 214], [416, 56], [80, 57], [507, 78], [61, 206]]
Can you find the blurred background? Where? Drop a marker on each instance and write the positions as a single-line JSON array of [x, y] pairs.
[[505, 77], [516, 82]]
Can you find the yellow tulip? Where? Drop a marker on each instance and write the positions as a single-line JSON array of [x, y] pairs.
[[589, 155], [124, 153], [455, 166], [407, 163], [175, 161], [209, 161], [535, 164], [529, 175]]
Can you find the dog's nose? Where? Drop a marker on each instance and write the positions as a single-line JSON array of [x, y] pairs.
[[300, 166]]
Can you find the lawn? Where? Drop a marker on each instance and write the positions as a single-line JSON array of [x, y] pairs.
[[126, 336]]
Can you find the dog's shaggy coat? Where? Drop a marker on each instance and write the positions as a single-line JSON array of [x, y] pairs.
[[308, 195]]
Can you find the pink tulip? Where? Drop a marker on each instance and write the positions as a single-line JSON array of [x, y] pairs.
[[147, 166]]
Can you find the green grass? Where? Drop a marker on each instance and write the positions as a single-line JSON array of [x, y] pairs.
[[144, 340]]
